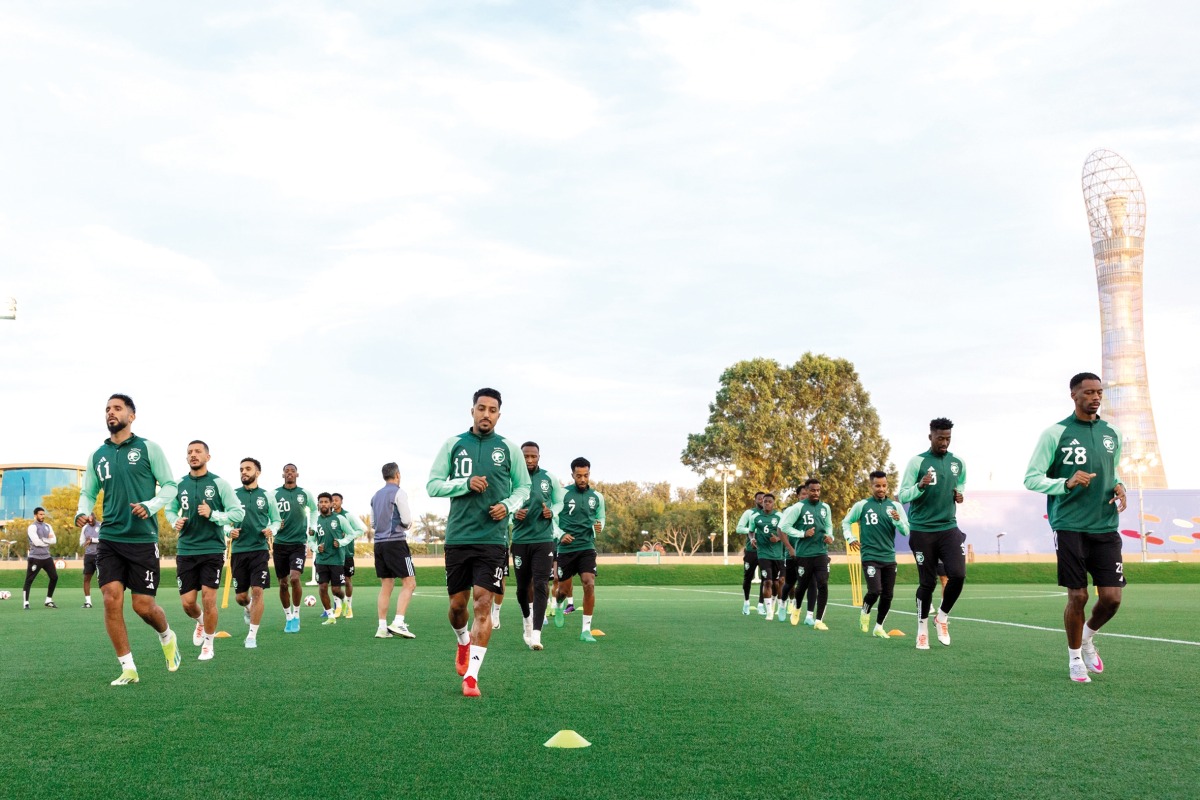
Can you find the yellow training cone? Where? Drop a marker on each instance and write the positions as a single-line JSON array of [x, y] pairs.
[[895, 632], [597, 633], [222, 635], [567, 739]]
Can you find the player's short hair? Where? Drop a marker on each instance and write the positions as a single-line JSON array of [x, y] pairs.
[[199, 441], [811, 481], [758, 495], [940, 424], [293, 466], [253, 461], [391, 470], [39, 508], [580, 462], [338, 495], [534, 445], [126, 399], [877, 474], [768, 494], [325, 496], [1081, 377], [487, 392]]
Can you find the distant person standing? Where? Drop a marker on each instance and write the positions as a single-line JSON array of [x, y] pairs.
[[1075, 463], [393, 559], [41, 536], [89, 538], [932, 485]]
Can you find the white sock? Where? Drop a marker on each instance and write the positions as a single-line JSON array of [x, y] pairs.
[[200, 619], [383, 624], [127, 661], [165, 636], [942, 616], [25, 597], [87, 598], [770, 606], [923, 626], [1088, 633], [878, 626], [463, 634], [809, 615], [475, 662], [49, 599], [337, 602], [399, 620], [349, 602], [553, 602], [587, 622], [570, 600], [746, 604], [253, 630], [1074, 655], [208, 639], [495, 614]]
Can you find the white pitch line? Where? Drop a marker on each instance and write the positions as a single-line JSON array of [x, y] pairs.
[[962, 619]]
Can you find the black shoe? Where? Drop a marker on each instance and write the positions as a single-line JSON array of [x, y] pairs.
[[50, 604], [87, 605]]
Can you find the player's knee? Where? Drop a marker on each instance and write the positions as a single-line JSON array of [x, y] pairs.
[[1077, 597]]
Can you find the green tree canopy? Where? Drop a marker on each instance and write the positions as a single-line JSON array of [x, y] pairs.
[[782, 425]]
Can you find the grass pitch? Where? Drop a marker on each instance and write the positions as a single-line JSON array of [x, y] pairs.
[[684, 698]]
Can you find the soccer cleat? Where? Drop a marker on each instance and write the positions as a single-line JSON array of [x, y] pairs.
[[795, 616], [864, 621], [527, 637], [470, 687], [296, 624], [461, 658], [810, 621], [1079, 672], [402, 630], [349, 612], [383, 633], [198, 634], [495, 623], [570, 609], [559, 621], [251, 642], [337, 610], [819, 625], [746, 609], [206, 652], [171, 651], [87, 605], [127, 676], [762, 610], [922, 641], [1091, 658], [50, 604], [535, 640], [550, 611], [943, 631], [781, 614], [880, 633], [330, 621], [586, 636]]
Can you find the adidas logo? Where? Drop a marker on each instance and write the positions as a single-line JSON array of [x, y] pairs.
[[462, 452], [474, 658], [1074, 441]]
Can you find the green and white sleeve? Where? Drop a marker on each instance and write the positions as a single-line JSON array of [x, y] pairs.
[[172, 510], [743, 523], [273, 518], [310, 505], [852, 516], [787, 522], [962, 476], [88, 493], [1040, 462], [352, 524], [234, 511], [558, 497], [167, 487], [909, 490], [440, 484], [1117, 460], [901, 524], [521, 482], [600, 514]]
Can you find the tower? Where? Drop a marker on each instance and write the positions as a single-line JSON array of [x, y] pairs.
[[1116, 209]]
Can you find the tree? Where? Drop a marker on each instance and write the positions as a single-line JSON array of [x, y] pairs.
[[631, 508], [782, 425], [681, 540], [61, 504], [429, 527]]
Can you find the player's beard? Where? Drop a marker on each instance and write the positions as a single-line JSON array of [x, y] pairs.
[[116, 427]]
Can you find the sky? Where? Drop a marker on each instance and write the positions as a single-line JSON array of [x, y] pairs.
[[309, 231]]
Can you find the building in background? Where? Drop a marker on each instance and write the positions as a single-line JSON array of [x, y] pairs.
[[22, 486], [1116, 209]]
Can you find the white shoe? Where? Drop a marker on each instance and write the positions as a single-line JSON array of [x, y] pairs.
[[943, 631], [206, 652], [198, 634], [495, 621], [1091, 658], [922, 641], [251, 642], [1079, 672], [535, 640], [383, 633], [402, 630], [527, 635]]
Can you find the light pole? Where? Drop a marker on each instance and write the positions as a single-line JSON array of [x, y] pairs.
[[998, 537], [726, 473], [1138, 465]]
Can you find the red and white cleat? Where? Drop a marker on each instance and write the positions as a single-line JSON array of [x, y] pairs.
[[460, 660], [470, 687]]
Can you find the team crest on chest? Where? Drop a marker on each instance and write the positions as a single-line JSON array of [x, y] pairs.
[[498, 456], [210, 492], [591, 502], [1110, 444], [954, 467], [134, 456], [261, 503], [822, 512], [333, 525], [300, 499], [545, 484]]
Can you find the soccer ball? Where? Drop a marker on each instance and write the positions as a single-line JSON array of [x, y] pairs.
[[5, 595], [60, 564], [310, 601]]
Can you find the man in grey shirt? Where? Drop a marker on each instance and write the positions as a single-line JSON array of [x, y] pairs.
[[393, 559], [41, 536], [89, 537]]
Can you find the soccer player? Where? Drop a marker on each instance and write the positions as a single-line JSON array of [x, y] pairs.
[[770, 541], [932, 485], [329, 536], [533, 544], [579, 521], [878, 520], [355, 525], [41, 536], [810, 521], [297, 512], [485, 478], [251, 548], [392, 557], [136, 481], [204, 506], [89, 538], [1075, 464], [750, 555]]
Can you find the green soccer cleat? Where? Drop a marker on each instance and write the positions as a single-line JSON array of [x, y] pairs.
[[171, 651], [127, 676], [880, 633], [559, 620], [864, 622], [781, 614], [330, 621], [586, 636], [809, 621]]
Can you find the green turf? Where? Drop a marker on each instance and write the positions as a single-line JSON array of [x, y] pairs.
[[683, 698]]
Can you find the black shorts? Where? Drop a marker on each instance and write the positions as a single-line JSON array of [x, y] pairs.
[[479, 565], [334, 574], [749, 560], [929, 547], [814, 566], [506, 561], [1082, 553], [288, 558], [89, 564], [250, 570], [536, 560], [349, 566], [880, 577], [577, 563], [192, 572], [769, 569], [393, 560], [133, 565]]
